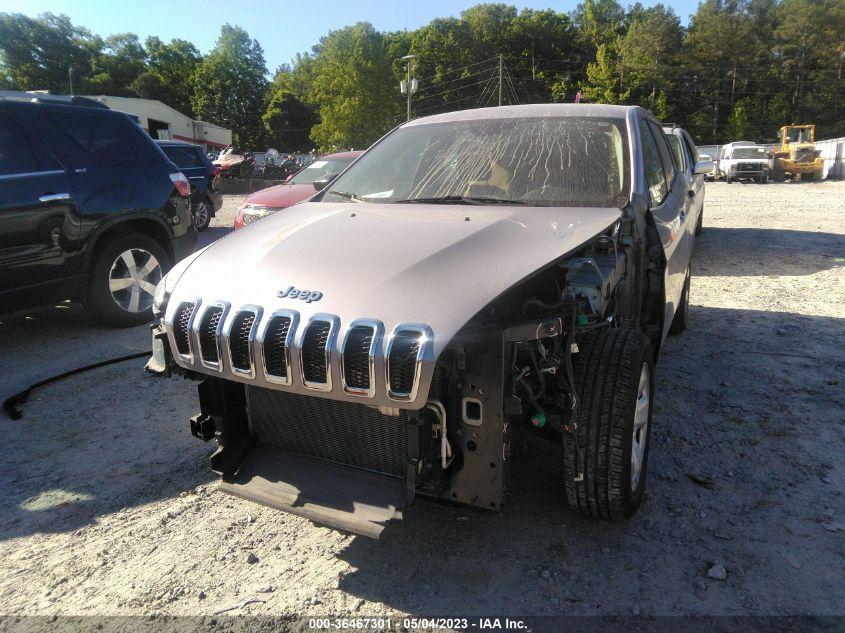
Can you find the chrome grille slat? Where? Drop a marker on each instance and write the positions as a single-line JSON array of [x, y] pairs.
[[276, 347], [315, 364], [208, 330], [182, 327], [357, 356], [405, 352], [240, 341]]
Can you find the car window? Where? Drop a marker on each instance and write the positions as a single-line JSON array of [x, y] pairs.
[[16, 155], [665, 153], [536, 161], [677, 151], [111, 140], [655, 176], [319, 168], [692, 150], [182, 156]]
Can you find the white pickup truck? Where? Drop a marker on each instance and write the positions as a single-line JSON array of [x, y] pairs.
[[745, 162]]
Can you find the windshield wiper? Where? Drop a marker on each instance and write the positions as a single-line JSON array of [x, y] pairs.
[[458, 200], [347, 195]]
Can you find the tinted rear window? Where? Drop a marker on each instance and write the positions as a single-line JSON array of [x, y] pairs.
[[111, 140], [16, 155], [183, 156]]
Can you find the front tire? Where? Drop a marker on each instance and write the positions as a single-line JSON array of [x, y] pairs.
[[605, 457], [123, 279]]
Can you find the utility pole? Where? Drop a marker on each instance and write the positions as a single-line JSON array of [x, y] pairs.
[[70, 78], [409, 86], [501, 63]]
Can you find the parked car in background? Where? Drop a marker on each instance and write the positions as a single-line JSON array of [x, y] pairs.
[[298, 187], [464, 287], [746, 162], [91, 209], [191, 160], [686, 158], [712, 153]]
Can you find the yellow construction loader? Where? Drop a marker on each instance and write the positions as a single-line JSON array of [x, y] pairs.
[[797, 156]]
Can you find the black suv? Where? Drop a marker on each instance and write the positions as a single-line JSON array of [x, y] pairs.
[[91, 210], [191, 159]]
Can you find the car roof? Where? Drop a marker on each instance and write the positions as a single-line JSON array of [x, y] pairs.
[[46, 98], [538, 110]]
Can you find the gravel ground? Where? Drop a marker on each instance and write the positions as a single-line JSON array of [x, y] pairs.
[[108, 506]]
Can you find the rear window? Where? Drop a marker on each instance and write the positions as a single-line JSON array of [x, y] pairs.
[[16, 155], [112, 140], [183, 156]]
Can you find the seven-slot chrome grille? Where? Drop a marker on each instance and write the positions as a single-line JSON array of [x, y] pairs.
[[276, 348]]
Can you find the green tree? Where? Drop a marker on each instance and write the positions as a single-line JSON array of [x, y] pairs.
[[174, 64], [598, 22], [805, 44], [288, 119], [354, 87], [603, 78], [119, 61], [648, 56], [739, 120], [230, 85], [36, 53]]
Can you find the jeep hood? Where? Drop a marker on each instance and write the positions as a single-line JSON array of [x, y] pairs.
[[397, 263]]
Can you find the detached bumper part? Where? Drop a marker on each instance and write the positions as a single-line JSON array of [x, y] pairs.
[[161, 362], [345, 498]]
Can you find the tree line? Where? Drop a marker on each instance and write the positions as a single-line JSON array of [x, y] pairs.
[[739, 70]]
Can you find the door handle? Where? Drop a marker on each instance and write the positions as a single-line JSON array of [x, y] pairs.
[[54, 197], [691, 193]]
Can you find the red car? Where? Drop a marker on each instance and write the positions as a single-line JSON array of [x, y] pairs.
[[297, 188]]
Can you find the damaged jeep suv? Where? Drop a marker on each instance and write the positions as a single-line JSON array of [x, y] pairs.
[[475, 280]]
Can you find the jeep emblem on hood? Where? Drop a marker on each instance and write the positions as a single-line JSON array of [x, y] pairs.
[[295, 293]]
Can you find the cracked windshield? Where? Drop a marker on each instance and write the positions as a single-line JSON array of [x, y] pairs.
[[564, 161]]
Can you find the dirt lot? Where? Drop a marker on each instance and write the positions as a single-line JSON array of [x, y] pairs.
[[108, 506]]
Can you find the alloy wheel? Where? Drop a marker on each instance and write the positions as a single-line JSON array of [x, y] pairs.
[[642, 408], [133, 278]]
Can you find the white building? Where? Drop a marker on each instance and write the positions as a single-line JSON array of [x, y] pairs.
[[165, 123]]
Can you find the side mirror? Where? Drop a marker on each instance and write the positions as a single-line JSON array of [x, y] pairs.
[[324, 182], [703, 167]]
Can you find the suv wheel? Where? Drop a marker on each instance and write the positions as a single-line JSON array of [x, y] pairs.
[[679, 321], [202, 215], [606, 455], [123, 279]]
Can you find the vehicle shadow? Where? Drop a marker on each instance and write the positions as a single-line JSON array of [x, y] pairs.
[[96, 443], [742, 430], [212, 234], [746, 251]]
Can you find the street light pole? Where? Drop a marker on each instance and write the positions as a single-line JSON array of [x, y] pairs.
[[410, 85], [70, 78]]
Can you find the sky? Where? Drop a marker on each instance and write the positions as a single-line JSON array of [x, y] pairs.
[[282, 28]]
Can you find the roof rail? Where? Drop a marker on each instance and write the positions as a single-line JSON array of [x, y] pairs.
[[44, 97]]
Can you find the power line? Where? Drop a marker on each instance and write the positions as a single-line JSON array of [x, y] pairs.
[[454, 70]]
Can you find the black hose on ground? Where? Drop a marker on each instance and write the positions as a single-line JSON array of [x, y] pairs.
[[10, 404]]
